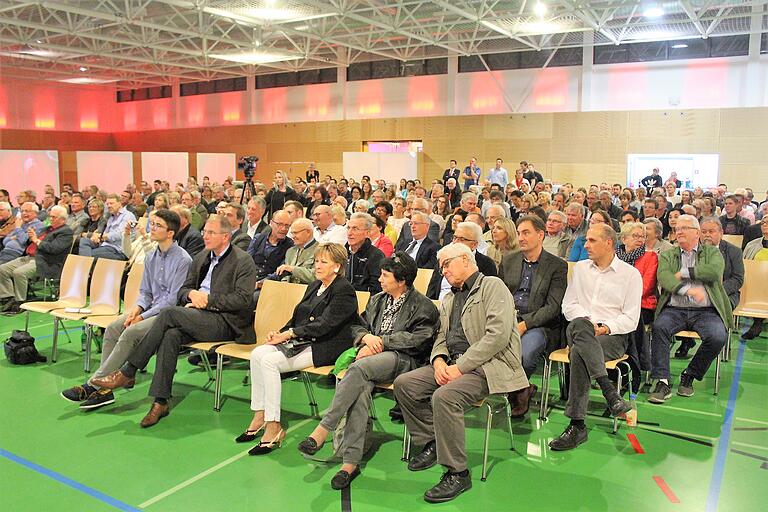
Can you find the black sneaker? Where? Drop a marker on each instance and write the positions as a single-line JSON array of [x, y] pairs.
[[449, 487], [98, 399], [196, 360], [661, 394], [685, 388], [77, 393]]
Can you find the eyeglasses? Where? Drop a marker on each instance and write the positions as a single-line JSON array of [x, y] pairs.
[[154, 225], [414, 223], [682, 229], [462, 239], [447, 262], [211, 232], [281, 225], [638, 236]]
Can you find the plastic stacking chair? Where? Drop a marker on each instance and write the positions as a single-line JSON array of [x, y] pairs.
[[754, 293], [72, 293], [275, 307], [734, 239], [421, 283], [694, 335], [104, 297], [561, 356], [130, 297]]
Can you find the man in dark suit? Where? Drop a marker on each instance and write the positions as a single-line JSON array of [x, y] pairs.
[[406, 237], [215, 304], [268, 249], [537, 281], [421, 248], [235, 213], [469, 234], [452, 172], [188, 237]]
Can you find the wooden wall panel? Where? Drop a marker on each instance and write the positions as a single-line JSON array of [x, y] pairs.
[[744, 122], [674, 124], [518, 126], [609, 125], [743, 150], [589, 150], [672, 145], [68, 168]]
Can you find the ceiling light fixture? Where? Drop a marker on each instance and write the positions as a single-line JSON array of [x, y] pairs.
[[540, 9], [84, 80], [680, 45], [83, 68], [653, 12], [256, 56]]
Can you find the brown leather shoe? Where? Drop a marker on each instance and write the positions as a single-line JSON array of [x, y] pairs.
[[521, 400], [114, 380], [156, 412]]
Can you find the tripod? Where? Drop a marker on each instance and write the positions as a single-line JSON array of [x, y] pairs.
[[248, 186]]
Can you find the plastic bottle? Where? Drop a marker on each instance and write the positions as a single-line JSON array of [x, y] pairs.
[[632, 413]]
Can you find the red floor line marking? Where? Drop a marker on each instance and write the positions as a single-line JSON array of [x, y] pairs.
[[666, 490], [635, 443]]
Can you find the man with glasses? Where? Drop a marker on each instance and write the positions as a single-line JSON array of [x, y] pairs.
[[406, 237], [467, 233], [363, 260], [188, 238], [215, 304], [268, 249], [692, 299], [467, 205], [556, 240], [476, 352], [15, 243], [299, 264], [165, 269], [326, 231], [420, 247]]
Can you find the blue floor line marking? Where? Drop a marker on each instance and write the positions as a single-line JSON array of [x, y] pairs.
[[69, 482], [725, 436]]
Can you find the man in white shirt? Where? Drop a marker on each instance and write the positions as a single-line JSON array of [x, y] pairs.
[[254, 224], [602, 304], [325, 229]]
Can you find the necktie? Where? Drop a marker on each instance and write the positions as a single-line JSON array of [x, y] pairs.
[[410, 247], [298, 256]]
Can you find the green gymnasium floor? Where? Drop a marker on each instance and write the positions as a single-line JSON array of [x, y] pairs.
[[702, 453]]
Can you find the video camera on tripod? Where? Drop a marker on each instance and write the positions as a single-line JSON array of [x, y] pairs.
[[247, 164]]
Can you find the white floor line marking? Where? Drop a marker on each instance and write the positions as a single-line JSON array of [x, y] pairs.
[[676, 432], [199, 476], [752, 421], [719, 415], [747, 445], [31, 327]]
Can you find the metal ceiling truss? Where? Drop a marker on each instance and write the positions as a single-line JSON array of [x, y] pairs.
[[158, 42]]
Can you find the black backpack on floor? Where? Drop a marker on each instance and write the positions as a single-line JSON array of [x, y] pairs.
[[20, 349]]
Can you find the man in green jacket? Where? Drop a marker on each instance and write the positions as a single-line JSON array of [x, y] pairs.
[[692, 298]]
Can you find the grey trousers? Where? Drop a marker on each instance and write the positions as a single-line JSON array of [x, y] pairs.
[[434, 412], [588, 356], [353, 398], [118, 344], [14, 277]]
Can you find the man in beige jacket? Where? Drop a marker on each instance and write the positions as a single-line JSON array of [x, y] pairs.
[[476, 353]]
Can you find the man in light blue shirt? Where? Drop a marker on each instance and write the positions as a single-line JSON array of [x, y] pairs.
[[498, 174], [165, 269], [15, 243], [109, 243]]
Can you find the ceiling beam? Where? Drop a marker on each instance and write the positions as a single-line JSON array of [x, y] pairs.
[[488, 24]]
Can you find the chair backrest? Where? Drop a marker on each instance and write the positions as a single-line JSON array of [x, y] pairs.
[[423, 276], [277, 301], [74, 279], [362, 301], [734, 239], [754, 292], [571, 264], [105, 286], [132, 286]]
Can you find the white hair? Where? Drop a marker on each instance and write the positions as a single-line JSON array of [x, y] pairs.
[[455, 251], [690, 219], [477, 232], [364, 216], [59, 211]]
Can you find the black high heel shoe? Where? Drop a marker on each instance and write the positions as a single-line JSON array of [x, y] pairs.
[[249, 435], [309, 446], [266, 447]]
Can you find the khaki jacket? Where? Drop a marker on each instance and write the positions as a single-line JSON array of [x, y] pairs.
[[490, 325]]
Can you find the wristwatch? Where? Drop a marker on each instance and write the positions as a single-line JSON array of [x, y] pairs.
[[607, 329]]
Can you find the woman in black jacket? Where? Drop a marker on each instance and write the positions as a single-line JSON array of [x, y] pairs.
[[400, 328], [279, 194], [317, 333]]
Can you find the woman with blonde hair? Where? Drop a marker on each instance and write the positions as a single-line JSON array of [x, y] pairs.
[[503, 240], [279, 193]]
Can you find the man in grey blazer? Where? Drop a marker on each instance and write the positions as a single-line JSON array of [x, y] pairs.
[[299, 266], [406, 236], [215, 303], [537, 281], [476, 352]]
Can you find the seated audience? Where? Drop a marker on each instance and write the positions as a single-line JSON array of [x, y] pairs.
[[165, 270], [213, 306], [733, 223], [317, 333], [43, 256], [235, 214], [299, 264], [405, 237], [15, 243], [326, 230], [692, 299], [109, 243], [188, 238], [556, 240], [398, 330], [578, 249], [476, 353], [602, 304], [654, 230], [378, 237], [269, 248], [537, 280], [421, 248]]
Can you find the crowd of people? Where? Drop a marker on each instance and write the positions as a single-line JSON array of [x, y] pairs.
[[653, 258]]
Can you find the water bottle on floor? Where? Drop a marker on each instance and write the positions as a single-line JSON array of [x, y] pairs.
[[631, 415]]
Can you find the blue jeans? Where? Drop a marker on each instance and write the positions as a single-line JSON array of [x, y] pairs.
[[86, 248], [534, 342], [704, 321]]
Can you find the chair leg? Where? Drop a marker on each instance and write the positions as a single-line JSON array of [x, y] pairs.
[[545, 378], [618, 386], [314, 410], [372, 409], [54, 349], [406, 443], [488, 422], [88, 343], [206, 364], [563, 386], [245, 379], [717, 375], [508, 410], [217, 387], [26, 321]]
